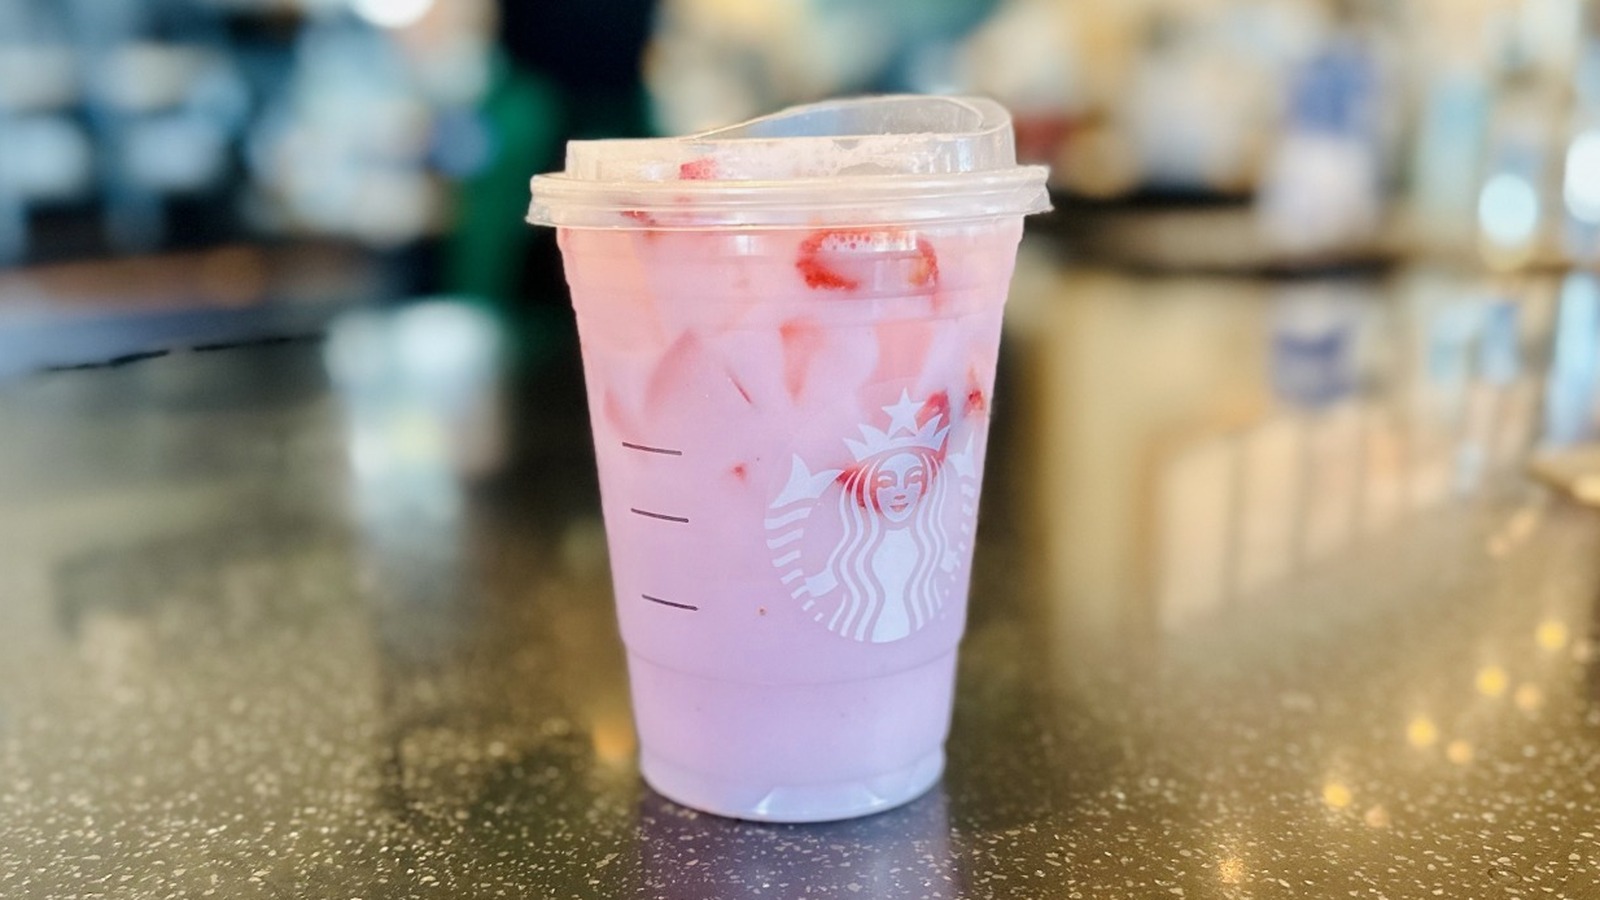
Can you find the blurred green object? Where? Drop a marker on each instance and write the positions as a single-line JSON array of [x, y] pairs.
[[522, 113], [492, 254]]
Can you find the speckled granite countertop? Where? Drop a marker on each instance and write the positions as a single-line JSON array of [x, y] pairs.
[[239, 660]]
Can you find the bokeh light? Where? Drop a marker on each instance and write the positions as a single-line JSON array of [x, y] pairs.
[[1508, 209], [1336, 795], [1421, 732], [1552, 635], [1582, 191], [392, 13], [1491, 681]]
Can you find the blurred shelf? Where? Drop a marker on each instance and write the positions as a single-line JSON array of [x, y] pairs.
[[94, 312], [1195, 233]]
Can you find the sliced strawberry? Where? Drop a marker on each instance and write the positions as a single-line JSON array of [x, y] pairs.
[[802, 341], [702, 169], [926, 270], [814, 270], [843, 259]]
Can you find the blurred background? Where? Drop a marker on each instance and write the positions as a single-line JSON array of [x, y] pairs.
[[1321, 290], [270, 160], [1339, 252]]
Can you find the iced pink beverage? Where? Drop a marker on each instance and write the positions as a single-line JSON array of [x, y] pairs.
[[790, 408]]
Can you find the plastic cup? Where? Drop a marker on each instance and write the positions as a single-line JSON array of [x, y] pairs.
[[789, 331]]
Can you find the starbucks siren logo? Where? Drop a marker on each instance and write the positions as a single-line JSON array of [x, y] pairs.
[[891, 560]]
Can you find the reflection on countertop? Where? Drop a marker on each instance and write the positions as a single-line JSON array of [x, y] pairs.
[[1263, 607]]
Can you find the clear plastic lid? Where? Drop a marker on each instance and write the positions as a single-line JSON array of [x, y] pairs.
[[866, 161]]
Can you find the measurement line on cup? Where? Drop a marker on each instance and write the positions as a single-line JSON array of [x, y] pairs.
[[670, 603], [684, 520], [664, 451]]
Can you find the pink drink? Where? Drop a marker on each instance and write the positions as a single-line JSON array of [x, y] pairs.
[[790, 424]]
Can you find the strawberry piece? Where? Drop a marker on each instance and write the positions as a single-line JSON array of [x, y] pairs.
[[650, 222], [814, 271], [825, 257], [702, 169], [740, 472], [802, 341], [977, 404], [926, 271]]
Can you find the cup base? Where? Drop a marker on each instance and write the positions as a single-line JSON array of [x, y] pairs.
[[795, 803], [805, 752]]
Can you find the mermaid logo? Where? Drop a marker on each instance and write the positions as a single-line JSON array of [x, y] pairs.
[[891, 559]]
